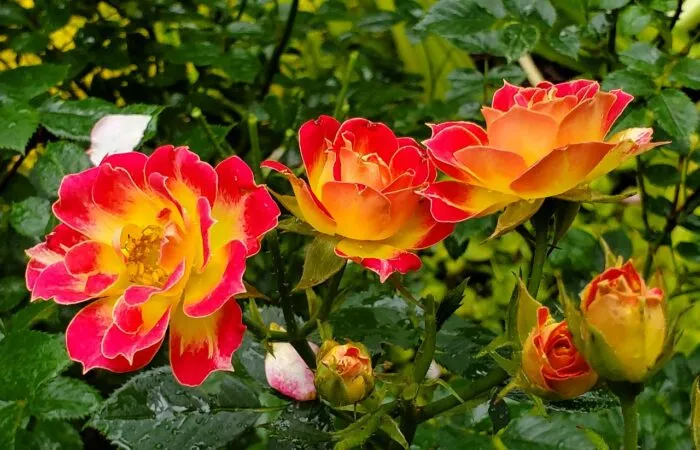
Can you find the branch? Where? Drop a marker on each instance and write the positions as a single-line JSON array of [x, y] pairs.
[[273, 65]]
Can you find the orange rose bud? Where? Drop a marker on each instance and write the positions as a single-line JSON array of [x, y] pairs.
[[344, 373], [551, 362], [624, 324]]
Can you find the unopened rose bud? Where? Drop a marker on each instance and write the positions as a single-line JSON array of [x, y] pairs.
[[624, 324], [287, 373], [551, 362], [344, 373]]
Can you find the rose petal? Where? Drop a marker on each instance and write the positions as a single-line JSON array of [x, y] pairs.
[[116, 133]]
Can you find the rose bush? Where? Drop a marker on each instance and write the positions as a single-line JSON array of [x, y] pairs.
[[158, 242]]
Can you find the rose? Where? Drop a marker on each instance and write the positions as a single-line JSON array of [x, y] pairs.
[[623, 324], [539, 142], [551, 362], [362, 189], [286, 371], [344, 373], [157, 241]]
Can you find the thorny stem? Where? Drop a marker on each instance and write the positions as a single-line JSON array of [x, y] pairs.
[[273, 65]]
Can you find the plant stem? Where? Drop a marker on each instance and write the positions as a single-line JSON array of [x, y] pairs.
[[534, 76], [629, 417], [340, 101], [427, 347], [468, 392], [326, 306], [541, 224], [273, 65], [255, 152], [298, 342]]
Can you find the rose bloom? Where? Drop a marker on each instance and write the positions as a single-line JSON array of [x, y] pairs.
[[362, 188], [286, 371], [551, 362], [625, 324], [539, 142], [156, 241]]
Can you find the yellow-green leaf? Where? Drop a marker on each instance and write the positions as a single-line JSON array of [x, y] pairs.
[[515, 214], [320, 262]]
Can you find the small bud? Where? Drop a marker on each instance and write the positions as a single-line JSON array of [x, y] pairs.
[[287, 373], [553, 366], [344, 373], [625, 326]]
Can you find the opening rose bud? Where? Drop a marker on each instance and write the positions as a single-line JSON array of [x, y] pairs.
[[287, 373], [362, 188], [344, 373], [539, 142], [624, 324], [551, 362]]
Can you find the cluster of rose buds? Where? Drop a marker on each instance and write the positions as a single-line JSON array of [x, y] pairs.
[[160, 242]]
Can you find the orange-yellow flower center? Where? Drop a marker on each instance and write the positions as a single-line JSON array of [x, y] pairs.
[[142, 252]]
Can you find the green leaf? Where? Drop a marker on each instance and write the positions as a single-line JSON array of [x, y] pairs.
[[25, 83], [28, 359], [687, 73], [391, 428], [458, 344], [526, 9], [17, 125], [619, 243], [32, 314], [518, 39], [301, 425], [64, 398], [633, 20], [12, 291], [578, 251], [568, 41], [689, 251], [12, 14], [197, 139], [527, 312], [630, 81], [612, 4], [152, 409], [695, 412], [30, 216], [455, 18], [662, 175], [644, 58], [676, 114], [49, 435], [241, 30], [61, 158], [240, 65], [74, 119], [514, 215], [535, 432], [320, 262], [10, 416], [202, 53]]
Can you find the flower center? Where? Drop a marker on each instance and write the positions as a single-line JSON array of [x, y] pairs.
[[142, 251]]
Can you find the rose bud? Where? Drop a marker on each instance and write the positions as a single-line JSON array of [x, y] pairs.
[[344, 373], [624, 324], [552, 364], [287, 373]]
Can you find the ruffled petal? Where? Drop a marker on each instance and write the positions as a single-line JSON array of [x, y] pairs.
[[585, 122], [421, 230], [207, 291], [134, 163], [530, 134], [561, 170], [476, 130], [360, 212], [315, 137], [443, 146], [51, 251], [84, 340], [504, 98], [136, 294], [367, 137], [412, 159], [181, 164], [492, 168], [622, 99], [401, 261], [451, 201], [243, 210], [201, 346]]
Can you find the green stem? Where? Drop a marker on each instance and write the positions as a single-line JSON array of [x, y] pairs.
[[274, 63], [541, 224], [255, 152], [629, 417], [468, 392], [326, 306], [340, 101], [427, 347], [210, 135], [299, 343]]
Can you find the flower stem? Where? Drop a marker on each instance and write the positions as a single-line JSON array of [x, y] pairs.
[[255, 152], [629, 416], [273, 64], [298, 342], [541, 224], [340, 101]]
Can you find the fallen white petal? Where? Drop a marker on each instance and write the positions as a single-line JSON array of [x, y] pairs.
[[434, 371], [288, 374], [116, 133]]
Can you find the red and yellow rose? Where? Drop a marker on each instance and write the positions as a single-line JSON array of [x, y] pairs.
[[539, 142], [362, 188], [157, 242]]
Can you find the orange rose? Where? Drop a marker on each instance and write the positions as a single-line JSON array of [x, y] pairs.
[[362, 189], [344, 373], [624, 324], [552, 363], [539, 142]]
